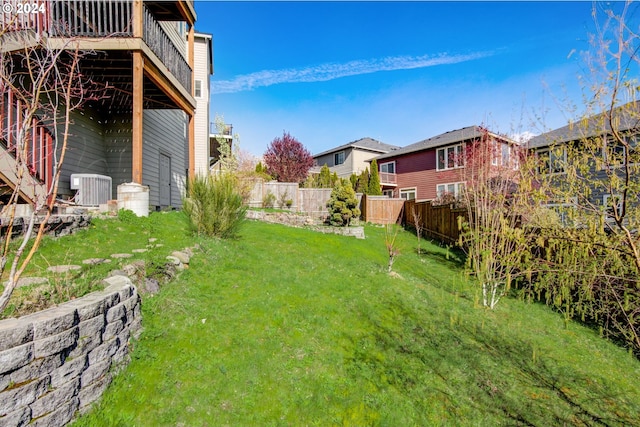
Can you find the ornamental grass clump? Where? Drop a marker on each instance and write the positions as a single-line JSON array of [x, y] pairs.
[[213, 205]]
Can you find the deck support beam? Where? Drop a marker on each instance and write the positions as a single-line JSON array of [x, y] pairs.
[[192, 122], [137, 126]]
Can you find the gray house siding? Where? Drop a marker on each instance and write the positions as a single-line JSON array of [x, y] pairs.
[[105, 148], [343, 170], [119, 151], [597, 178], [165, 132], [85, 149]]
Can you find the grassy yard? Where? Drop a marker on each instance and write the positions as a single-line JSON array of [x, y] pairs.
[[104, 237], [285, 326]]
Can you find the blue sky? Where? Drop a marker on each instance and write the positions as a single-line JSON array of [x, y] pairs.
[[334, 72]]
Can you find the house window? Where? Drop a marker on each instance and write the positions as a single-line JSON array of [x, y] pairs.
[[610, 203], [506, 154], [614, 154], [197, 92], [388, 193], [564, 209], [450, 157], [388, 167], [453, 188], [551, 160], [495, 153], [408, 193], [338, 158]]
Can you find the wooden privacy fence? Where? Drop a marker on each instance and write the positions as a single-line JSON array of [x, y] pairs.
[[381, 209], [439, 222], [312, 201]]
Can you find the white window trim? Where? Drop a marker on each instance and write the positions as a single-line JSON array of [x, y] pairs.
[[455, 166], [605, 203], [388, 193], [387, 163], [608, 143], [572, 203], [509, 148], [495, 153], [457, 188], [549, 150], [413, 190], [195, 88]]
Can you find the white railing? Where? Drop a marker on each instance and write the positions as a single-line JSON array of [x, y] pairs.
[[387, 178]]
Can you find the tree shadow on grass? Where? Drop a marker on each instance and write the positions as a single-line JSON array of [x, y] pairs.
[[500, 375], [451, 256], [559, 393]]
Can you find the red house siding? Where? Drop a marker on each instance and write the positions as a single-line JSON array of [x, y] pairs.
[[418, 170]]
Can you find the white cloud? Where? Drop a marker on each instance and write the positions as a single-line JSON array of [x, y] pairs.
[[331, 71], [523, 137]]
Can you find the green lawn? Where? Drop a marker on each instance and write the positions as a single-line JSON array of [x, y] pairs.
[[101, 239], [285, 326]]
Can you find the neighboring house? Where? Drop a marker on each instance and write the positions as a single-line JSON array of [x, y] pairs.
[[143, 130], [216, 137], [551, 149], [432, 168], [203, 69], [351, 158]]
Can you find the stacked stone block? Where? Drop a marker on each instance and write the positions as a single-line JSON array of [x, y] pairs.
[[57, 362]]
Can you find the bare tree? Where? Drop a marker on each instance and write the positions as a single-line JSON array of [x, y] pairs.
[[416, 213], [494, 243], [390, 236], [40, 87]]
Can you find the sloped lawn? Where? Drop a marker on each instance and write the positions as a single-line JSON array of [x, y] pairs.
[[158, 235], [285, 326]]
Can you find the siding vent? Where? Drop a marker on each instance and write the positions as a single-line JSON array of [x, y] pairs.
[[93, 189]]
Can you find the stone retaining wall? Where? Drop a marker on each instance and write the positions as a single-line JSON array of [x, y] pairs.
[[295, 220], [58, 361], [57, 225]]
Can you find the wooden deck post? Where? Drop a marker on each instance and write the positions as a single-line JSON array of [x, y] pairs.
[[192, 122], [136, 134], [138, 86]]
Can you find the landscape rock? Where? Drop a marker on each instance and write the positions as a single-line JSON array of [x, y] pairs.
[[96, 261], [135, 270], [151, 286], [114, 273], [182, 256], [63, 268], [29, 281]]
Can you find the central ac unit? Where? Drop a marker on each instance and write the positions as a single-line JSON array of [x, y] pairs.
[[93, 189]]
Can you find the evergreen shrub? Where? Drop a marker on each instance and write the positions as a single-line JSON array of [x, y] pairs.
[[343, 205]]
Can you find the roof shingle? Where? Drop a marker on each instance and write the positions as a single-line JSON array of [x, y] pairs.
[[451, 137], [626, 117], [368, 144]]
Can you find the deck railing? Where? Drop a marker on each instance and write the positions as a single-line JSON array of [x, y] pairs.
[[38, 139], [387, 178], [19, 15], [160, 43], [213, 129], [98, 19], [91, 18]]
